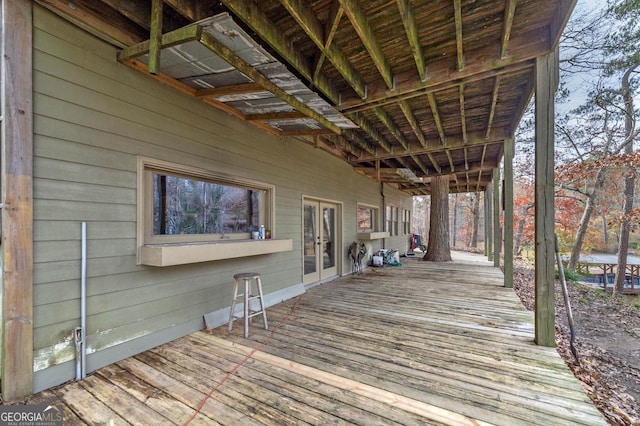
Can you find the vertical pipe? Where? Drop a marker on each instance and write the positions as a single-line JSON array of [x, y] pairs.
[[83, 302]]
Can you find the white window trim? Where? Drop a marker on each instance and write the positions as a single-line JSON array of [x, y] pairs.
[[197, 248], [375, 233]]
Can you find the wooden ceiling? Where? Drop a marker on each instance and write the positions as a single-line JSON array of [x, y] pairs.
[[435, 87]]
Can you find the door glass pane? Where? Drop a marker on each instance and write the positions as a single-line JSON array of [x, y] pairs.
[[310, 237], [328, 237]]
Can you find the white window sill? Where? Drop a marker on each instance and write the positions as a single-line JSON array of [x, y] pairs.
[[181, 254], [372, 235]]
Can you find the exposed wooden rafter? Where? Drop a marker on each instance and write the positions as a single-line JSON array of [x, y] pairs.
[[492, 106], [268, 116], [251, 15], [194, 32], [235, 89], [413, 122], [368, 128], [349, 105], [411, 29], [459, 42], [305, 17], [463, 120], [481, 63], [388, 122], [361, 24], [436, 117], [473, 141], [484, 153], [355, 138], [509, 13], [229, 56], [420, 164], [329, 33]]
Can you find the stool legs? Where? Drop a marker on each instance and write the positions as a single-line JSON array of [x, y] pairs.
[[247, 300]]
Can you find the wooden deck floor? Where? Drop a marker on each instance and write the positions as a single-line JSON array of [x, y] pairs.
[[424, 344]]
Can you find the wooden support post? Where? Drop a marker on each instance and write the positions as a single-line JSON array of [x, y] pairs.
[[488, 195], [546, 84], [508, 212], [17, 195], [155, 36], [497, 231]]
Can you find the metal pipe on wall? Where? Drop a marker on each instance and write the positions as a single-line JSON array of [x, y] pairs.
[[83, 302]]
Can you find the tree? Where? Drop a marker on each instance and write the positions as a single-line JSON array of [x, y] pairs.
[[438, 249], [624, 46]]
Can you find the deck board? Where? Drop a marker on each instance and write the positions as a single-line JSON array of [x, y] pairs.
[[425, 343]]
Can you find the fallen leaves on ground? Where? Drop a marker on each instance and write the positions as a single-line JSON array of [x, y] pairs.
[[607, 342]]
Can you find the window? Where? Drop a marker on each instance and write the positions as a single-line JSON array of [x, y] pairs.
[[182, 204], [392, 220], [367, 218], [406, 222]]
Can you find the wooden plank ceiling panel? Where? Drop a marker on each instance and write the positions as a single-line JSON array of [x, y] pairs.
[[434, 87]]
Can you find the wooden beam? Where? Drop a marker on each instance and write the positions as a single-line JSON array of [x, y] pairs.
[[484, 154], [17, 196], [306, 132], [355, 138], [361, 24], [420, 164], [473, 140], [172, 38], [497, 231], [100, 20], [508, 212], [251, 14], [451, 165], [335, 15], [140, 13], [313, 28], [411, 29], [193, 10], [229, 56], [480, 64], [434, 163], [463, 120], [560, 19], [546, 69], [368, 128], [155, 38], [413, 122], [509, 13], [388, 122], [270, 116], [436, 117], [236, 89], [494, 103], [459, 42]]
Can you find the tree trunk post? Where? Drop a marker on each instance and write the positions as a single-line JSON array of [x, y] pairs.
[[17, 214], [508, 213], [438, 249], [497, 231], [546, 84]]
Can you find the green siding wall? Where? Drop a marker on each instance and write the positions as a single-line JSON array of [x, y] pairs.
[[93, 116]]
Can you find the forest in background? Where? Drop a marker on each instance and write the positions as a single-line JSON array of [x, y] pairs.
[[596, 156]]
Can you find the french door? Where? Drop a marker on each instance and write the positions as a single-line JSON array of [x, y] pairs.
[[321, 240]]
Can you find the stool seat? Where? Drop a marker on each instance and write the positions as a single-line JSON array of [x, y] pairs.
[[247, 299]]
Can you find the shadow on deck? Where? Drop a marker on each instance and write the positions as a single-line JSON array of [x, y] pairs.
[[420, 344]]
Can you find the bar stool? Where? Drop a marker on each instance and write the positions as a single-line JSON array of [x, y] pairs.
[[248, 297]]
